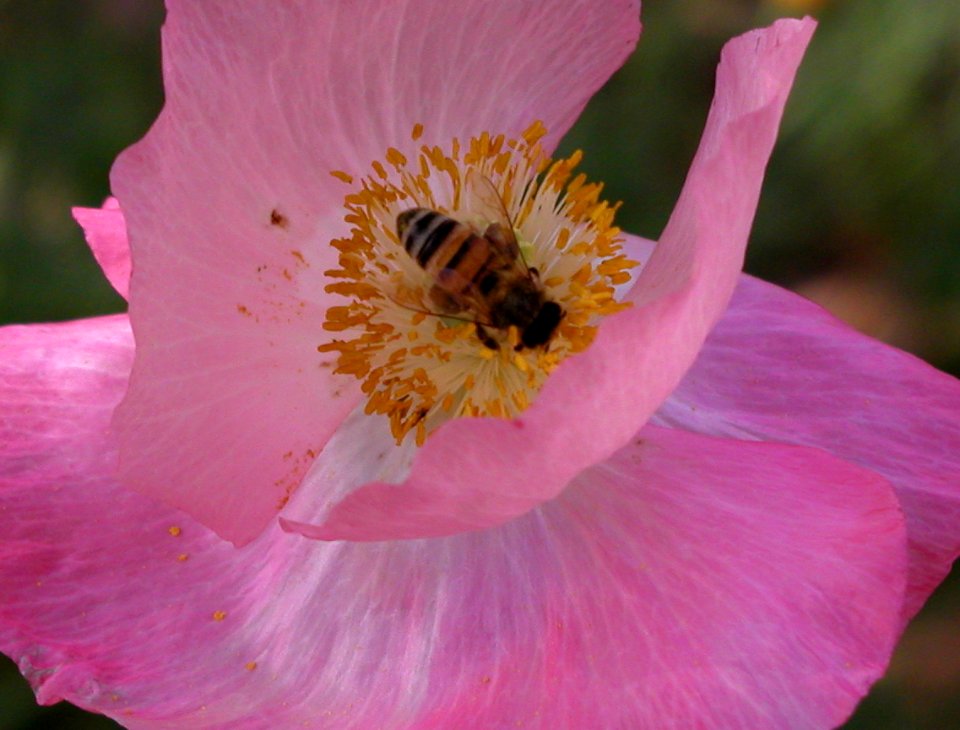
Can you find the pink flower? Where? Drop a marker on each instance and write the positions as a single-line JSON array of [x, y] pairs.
[[680, 531]]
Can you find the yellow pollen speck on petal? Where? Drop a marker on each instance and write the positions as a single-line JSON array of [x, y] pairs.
[[219, 615], [250, 666], [174, 530], [183, 557], [422, 346]]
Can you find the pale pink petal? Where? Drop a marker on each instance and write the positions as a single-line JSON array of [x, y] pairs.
[[688, 582], [362, 450], [91, 575], [778, 367], [106, 234], [59, 384], [230, 208], [473, 473]]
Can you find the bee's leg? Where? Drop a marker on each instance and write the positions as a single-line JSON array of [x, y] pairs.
[[443, 301], [535, 273], [486, 338]]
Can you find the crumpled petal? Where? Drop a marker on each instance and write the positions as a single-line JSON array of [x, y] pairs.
[[778, 367], [230, 207], [688, 581], [106, 234], [474, 473]]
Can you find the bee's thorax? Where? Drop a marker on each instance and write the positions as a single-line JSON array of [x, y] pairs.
[[519, 305]]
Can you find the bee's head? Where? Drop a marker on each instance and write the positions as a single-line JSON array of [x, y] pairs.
[[541, 329]]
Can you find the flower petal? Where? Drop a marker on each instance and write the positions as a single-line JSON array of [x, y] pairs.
[[778, 367], [362, 450], [701, 581], [230, 207], [106, 234], [686, 582], [473, 473], [58, 385], [92, 574]]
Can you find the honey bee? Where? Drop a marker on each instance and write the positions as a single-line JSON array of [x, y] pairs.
[[480, 273]]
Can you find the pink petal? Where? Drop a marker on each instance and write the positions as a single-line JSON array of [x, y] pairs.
[[106, 235], [90, 574], [362, 450], [59, 384], [474, 473], [694, 581], [230, 206], [778, 367]]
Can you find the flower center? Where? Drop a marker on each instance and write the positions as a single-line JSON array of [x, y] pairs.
[[472, 272]]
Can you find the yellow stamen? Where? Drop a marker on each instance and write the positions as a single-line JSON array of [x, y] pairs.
[[396, 158], [420, 370]]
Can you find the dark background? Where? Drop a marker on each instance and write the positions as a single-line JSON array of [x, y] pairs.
[[861, 209]]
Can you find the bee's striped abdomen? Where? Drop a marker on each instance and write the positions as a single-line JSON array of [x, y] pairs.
[[422, 231], [440, 243]]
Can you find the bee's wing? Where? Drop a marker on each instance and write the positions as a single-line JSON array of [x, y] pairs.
[[442, 304], [466, 299], [483, 200]]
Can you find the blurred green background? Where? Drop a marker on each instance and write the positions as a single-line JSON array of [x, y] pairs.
[[861, 209]]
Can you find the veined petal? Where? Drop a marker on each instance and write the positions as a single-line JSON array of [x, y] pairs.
[[106, 234], [231, 206], [778, 367], [92, 573], [473, 473], [58, 385], [688, 581]]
